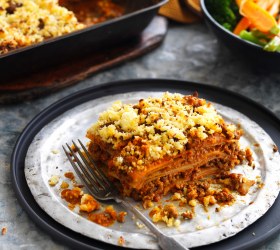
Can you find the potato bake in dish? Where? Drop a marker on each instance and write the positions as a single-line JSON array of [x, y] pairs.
[[26, 22], [159, 145]]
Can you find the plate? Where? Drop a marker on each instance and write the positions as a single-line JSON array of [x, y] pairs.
[[45, 158], [91, 97]]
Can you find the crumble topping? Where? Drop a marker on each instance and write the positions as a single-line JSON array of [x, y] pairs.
[[157, 127], [25, 22]]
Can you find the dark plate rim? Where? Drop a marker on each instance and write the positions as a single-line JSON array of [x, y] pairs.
[[210, 92], [153, 6]]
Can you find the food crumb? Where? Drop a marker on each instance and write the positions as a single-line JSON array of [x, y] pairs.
[[73, 148], [69, 175], [121, 216], [167, 214], [192, 203], [121, 241], [139, 225], [4, 230], [188, 215], [64, 185], [88, 203], [218, 209], [55, 151], [105, 218], [148, 204], [253, 233], [53, 180]]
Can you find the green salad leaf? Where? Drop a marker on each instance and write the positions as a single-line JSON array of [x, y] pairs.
[[225, 12]]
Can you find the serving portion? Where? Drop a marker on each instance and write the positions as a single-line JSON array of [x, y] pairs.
[[161, 145], [214, 220]]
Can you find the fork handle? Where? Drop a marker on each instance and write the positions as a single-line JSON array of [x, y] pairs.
[[170, 243], [164, 241]]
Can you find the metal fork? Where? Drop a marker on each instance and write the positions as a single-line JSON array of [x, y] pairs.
[[98, 185]]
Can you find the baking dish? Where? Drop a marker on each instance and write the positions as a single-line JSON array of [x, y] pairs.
[[23, 61]]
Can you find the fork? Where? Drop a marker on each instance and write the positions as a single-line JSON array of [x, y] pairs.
[[99, 186]]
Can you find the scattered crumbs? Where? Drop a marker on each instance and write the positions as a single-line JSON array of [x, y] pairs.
[[218, 209], [187, 215], [64, 185], [4, 230], [167, 214], [54, 180], [256, 144], [133, 217], [253, 234], [275, 148], [249, 156], [148, 204], [140, 225], [208, 217], [192, 203], [73, 148], [107, 217], [258, 179], [261, 185], [69, 175], [55, 151], [251, 202], [71, 206], [78, 185], [259, 182], [72, 196], [121, 216], [176, 197], [88, 203], [121, 241], [199, 227]]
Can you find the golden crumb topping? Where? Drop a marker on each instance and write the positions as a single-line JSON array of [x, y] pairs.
[[25, 22], [157, 127], [53, 180]]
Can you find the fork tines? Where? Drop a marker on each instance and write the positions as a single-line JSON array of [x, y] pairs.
[[86, 168]]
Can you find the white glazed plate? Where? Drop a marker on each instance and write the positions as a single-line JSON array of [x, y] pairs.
[[45, 158]]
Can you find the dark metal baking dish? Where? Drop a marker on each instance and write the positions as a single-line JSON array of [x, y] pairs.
[[23, 61]]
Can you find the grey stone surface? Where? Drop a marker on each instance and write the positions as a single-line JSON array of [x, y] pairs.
[[189, 52]]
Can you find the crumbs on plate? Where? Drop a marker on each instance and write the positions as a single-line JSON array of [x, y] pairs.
[[4, 230], [86, 203]]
